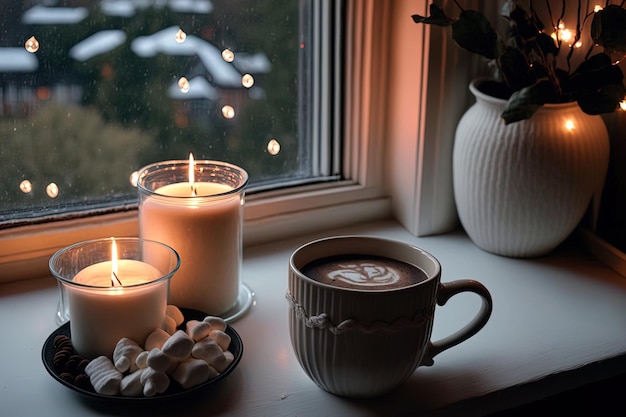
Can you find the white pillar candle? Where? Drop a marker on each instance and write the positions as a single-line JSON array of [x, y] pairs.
[[102, 314], [202, 220]]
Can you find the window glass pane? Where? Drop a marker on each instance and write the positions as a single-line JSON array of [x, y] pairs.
[[91, 91]]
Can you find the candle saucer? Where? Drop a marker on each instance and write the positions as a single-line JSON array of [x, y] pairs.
[[175, 391], [243, 304]]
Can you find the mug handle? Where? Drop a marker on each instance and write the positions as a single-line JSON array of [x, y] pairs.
[[445, 292]]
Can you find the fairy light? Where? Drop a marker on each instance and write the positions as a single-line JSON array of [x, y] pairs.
[[26, 186], [570, 125], [247, 80], [273, 147], [228, 112], [181, 36], [228, 55], [134, 178], [622, 105], [597, 8], [32, 45], [183, 84], [52, 190]]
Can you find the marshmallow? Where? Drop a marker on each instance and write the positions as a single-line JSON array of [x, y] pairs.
[[156, 339], [192, 372], [142, 359], [169, 325], [104, 376], [175, 313], [131, 385], [159, 361], [125, 353], [178, 346], [198, 330], [217, 323], [153, 382], [209, 351], [222, 339]]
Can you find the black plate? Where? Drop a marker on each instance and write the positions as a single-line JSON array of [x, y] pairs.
[[175, 391]]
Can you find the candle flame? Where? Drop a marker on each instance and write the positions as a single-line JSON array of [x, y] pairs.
[[191, 175], [114, 271]]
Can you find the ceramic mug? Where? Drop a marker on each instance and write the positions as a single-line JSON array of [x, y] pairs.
[[358, 333]]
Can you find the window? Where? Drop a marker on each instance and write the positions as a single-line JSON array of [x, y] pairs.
[[92, 90]]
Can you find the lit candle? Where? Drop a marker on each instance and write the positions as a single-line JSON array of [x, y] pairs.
[[196, 207], [112, 299]]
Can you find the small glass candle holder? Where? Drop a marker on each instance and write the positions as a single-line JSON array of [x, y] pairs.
[[113, 288], [197, 208]]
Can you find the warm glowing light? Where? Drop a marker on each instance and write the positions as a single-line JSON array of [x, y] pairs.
[[228, 112], [181, 36], [622, 105], [273, 147], [134, 177], [228, 55], [570, 125], [32, 45], [566, 35], [247, 80], [192, 176], [597, 8], [183, 84], [52, 190], [26, 186], [115, 279]]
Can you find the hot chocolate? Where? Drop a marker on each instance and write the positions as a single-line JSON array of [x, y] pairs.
[[363, 272]]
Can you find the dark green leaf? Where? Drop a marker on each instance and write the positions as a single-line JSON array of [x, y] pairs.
[[437, 17], [525, 102], [515, 69], [608, 28], [473, 32], [547, 44], [605, 100]]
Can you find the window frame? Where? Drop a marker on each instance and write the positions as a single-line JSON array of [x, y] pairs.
[[386, 142]]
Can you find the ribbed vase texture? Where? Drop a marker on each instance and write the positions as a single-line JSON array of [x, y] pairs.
[[521, 189]]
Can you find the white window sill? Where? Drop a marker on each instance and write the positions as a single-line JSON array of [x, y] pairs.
[[557, 322]]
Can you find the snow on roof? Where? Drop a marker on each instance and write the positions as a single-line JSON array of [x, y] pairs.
[[199, 88], [17, 60], [191, 6], [164, 41], [42, 15], [253, 63], [127, 8], [98, 43]]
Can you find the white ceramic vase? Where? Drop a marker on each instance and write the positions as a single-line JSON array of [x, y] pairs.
[[521, 189]]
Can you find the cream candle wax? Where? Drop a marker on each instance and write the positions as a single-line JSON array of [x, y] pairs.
[[115, 298], [102, 314], [197, 208]]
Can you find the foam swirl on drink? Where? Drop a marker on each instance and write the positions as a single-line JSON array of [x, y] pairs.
[[364, 272]]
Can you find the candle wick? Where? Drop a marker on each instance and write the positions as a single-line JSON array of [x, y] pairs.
[[116, 279], [193, 190]]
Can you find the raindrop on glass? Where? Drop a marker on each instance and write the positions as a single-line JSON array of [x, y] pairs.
[[32, 45], [183, 84], [228, 112], [273, 147], [26, 186], [247, 80], [228, 55], [181, 36], [52, 190]]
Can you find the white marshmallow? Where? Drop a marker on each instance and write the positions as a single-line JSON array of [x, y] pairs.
[[198, 330], [175, 313], [156, 339], [159, 361], [125, 354], [104, 376], [131, 385], [178, 346], [222, 339], [192, 372], [154, 382], [217, 323]]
